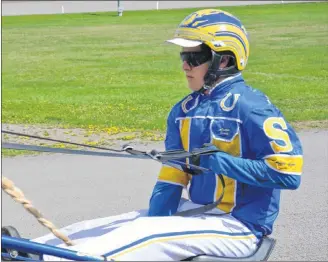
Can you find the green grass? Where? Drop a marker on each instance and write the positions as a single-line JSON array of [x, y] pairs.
[[98, 69], [13, 153]]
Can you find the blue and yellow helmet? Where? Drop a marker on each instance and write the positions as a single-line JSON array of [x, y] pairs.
[[218, 29]]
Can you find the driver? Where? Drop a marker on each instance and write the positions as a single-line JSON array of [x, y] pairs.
[[260, 156]]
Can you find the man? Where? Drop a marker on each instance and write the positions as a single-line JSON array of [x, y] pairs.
[[260, 155]]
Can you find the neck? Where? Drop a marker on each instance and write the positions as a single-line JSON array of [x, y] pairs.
[[208, 91], [221, 78]]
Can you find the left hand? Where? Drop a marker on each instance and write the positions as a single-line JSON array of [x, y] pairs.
[[213, 161]]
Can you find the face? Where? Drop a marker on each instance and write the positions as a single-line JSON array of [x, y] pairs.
[[194, 74]]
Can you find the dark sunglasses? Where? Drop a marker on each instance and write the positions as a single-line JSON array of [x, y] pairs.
[[195, 58]]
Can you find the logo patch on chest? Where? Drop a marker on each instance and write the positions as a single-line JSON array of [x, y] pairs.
[[224, 132], [223, 129]]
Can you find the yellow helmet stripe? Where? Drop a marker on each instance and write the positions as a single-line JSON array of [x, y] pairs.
[[232, 35], [231, 41], [235, 47], [212, 29], [193, 34], [219, 23]]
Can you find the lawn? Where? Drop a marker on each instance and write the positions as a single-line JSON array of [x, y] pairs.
[[100, 70]]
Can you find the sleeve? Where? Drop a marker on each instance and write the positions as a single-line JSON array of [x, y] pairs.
[[275, 156], [167, 192]]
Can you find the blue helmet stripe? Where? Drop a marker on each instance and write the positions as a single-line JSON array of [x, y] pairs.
[[210, 19], [223, 23], [218, 23]]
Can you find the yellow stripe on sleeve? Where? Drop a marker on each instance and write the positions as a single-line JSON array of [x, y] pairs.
[[173, 175], [286, 164]]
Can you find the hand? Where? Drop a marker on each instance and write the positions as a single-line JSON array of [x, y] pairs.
[[213, 161]]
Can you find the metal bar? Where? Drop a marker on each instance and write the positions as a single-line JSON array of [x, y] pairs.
[[69, 151], [163, 156], [180, 154], [189, 168], [28, 246], [59, 141]]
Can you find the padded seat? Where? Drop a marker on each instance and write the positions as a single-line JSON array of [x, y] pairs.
[[262, 253]]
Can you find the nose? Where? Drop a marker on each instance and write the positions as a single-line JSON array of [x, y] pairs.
[[186, 66]]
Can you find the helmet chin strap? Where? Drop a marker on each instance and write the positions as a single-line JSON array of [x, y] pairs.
[[214, 72]]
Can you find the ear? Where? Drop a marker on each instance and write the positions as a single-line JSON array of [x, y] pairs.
[[224, 61]]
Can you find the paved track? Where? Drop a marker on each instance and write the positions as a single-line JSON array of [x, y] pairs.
[[69, 188], [55, 7]]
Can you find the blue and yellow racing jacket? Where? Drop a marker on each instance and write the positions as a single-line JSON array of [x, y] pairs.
[[262, 154]]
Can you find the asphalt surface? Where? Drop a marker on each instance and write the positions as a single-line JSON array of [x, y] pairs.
[[55, 7], [69, 188]]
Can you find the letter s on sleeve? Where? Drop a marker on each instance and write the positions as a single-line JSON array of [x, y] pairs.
[[273, 132]]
